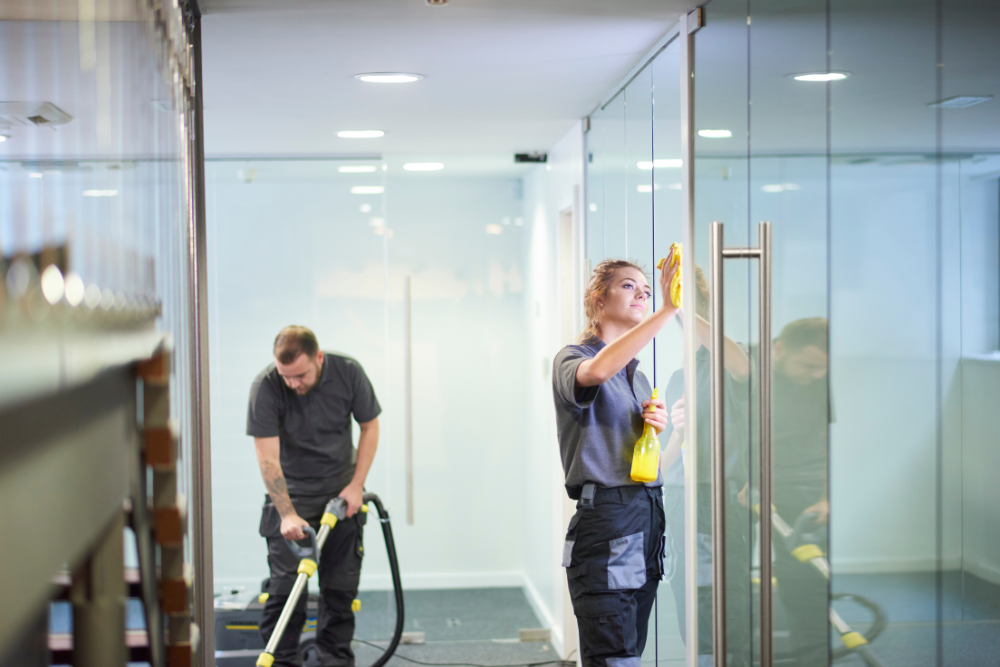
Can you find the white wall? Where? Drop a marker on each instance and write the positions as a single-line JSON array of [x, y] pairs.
[[548, 190]]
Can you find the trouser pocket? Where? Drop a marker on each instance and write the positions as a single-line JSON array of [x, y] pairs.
[[607, 624], [615, 565]]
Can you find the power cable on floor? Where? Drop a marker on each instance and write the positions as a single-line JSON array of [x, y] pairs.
[[562, 663]]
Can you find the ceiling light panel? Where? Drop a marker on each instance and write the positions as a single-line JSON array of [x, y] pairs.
[[423, 166], [360, 134], [367, 190], [820, 76], [715, 134], [389, 77], [661, 164]]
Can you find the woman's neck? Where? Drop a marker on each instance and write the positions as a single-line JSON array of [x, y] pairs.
[[612, 331]]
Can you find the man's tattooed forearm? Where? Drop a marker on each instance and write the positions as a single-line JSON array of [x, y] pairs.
[[274, 480]]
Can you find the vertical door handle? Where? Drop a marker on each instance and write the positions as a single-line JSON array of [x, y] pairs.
[[408, 396], [717, 373]]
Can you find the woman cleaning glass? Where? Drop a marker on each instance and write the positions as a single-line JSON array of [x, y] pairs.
[[614, 552]]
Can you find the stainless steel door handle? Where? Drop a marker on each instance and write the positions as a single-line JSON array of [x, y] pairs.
[[717, 254]]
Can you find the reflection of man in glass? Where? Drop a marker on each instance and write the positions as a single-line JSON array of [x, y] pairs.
[[737, 373], [299, 417], [800, 421]]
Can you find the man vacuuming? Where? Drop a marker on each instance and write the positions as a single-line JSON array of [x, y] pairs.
[[299, 417]]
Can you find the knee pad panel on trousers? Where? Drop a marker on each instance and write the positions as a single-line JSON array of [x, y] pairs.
[[607, 624]]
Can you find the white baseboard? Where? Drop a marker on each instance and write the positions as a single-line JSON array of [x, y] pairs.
[[893, 564], [983, 569], [443, 580], [542, 611]]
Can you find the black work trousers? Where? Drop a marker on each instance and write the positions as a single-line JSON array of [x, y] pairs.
[[614, 562], [339, 573]]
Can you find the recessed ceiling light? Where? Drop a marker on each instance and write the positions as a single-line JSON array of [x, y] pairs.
[[100, 193], [367, 190], [494, 229], [781, 187], [661, 164], [360, 134], [377, 222], [423, 166], [715, 134], [820, 76], [35, 175], [961, 101], [356, 169], [389, 77], [366, 208], [646, 188], [593, 207]]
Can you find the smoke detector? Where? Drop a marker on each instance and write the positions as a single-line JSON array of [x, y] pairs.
[[32, 114]]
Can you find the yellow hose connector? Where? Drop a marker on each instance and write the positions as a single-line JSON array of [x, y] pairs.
[[265, 660], [262, 598], [807, 552], [308, 566], [356, 606], [675, 282], [853, 639], [329, 520]]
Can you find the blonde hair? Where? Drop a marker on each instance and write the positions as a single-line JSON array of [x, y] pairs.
[[597, 289]]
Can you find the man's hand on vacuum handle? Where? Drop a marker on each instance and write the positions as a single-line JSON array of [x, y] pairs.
[[269, 459], [367, 444]]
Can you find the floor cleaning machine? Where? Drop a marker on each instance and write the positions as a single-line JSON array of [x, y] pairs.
[[238, 642], [805, 549]]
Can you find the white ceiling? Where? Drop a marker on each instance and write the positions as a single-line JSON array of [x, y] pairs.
[[502, 76]]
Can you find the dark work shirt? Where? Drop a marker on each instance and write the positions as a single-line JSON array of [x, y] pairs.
[[800, 423], [597, 426], [317, 453], [736, 429]]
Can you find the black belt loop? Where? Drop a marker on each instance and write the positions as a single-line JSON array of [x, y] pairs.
[[587, 496]]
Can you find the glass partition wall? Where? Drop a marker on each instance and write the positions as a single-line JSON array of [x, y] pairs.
[[868, 143], [394, 269]]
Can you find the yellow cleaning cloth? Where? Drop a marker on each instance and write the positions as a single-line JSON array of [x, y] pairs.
[[675, 282]]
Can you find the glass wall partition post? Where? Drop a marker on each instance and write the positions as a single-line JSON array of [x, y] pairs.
[[721, 184]]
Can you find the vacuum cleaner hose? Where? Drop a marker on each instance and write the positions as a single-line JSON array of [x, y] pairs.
[[879, 622], [397, 585]]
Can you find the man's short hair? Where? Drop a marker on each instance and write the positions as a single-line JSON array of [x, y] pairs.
[[811, 331], [293, 341]]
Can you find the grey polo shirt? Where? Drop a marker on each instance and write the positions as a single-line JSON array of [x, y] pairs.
[[597, 426], [317, 453]]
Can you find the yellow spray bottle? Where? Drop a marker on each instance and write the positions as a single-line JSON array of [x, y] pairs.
[[646, 455]]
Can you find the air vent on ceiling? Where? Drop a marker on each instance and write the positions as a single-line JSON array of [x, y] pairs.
[[32, 114], [531, 157], [961, 101]]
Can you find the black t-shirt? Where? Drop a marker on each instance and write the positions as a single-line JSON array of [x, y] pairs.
[[317, 454], [800, 425], [737, 399]]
